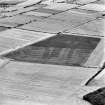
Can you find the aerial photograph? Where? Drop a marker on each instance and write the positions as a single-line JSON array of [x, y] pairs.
[[52, 52]]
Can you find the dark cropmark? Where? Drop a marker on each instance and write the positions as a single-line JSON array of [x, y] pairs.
[[69, 50]]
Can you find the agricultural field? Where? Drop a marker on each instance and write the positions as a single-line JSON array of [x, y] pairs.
[[49, 50]]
